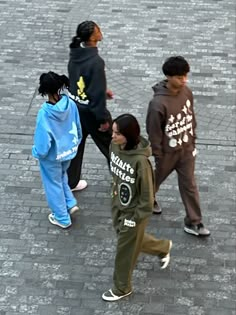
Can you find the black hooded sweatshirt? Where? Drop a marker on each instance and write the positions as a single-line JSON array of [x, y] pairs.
[[170, 121], [88, 81]]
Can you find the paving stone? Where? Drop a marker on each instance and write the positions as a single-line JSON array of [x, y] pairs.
[[47, 271]]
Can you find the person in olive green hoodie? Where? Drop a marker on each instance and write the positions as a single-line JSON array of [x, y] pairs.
[[132, 203]]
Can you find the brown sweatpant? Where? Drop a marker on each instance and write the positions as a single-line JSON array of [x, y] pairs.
[[183, 163], [131, 241]]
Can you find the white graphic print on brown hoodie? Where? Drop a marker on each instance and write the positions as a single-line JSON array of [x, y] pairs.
[[170, 121]]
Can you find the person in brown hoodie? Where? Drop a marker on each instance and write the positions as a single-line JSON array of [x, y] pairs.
[[171, 124]]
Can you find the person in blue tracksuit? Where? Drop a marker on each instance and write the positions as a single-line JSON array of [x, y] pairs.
[[56, 140]]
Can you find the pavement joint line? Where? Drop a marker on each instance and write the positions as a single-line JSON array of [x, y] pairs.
[[32, 100]]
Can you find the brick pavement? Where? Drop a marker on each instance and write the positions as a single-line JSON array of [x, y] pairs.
[[47, 271]]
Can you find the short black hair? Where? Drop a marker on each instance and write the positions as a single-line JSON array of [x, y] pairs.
[[129, 127], [51, 83], [175, 65], [83, 32]]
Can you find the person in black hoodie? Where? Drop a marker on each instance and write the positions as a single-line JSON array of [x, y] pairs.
[[171, 125], [132, 202], [88, 88]]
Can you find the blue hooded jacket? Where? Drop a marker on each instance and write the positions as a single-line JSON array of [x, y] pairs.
[[58, 131]]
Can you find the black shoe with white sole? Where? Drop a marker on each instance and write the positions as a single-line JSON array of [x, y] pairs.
[[156, 208], [109, 296]]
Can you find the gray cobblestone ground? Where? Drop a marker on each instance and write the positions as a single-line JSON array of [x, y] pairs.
[[47, 271]]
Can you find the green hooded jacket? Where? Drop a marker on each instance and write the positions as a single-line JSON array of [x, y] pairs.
[[133, 182]]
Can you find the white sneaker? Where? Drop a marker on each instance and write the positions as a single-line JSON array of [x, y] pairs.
[[73, 210], [82, 184], [165, 260], [52, 220]]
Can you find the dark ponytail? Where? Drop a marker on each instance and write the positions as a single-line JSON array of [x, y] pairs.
[[75, 42], [83, 33], [51, 83]]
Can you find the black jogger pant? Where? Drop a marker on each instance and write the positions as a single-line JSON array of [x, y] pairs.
[[183, 162], [102, 140]]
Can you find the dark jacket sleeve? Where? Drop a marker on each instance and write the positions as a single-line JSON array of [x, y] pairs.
[[154, 126], [97, 92], [78, 123]]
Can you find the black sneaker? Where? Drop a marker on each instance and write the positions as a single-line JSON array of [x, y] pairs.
[[198, 230], [156, 208]]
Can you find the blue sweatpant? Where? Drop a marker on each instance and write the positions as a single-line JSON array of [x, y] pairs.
[[58, 194]]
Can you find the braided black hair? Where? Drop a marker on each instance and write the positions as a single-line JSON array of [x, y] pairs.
[[51, 83], [83, 33]]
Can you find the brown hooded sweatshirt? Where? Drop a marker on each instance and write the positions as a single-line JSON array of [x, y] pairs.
[[170, 121]]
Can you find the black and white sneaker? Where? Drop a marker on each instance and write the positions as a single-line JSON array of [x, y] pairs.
[[197, 230], [156, 208], [109, 296], [165, 260]]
